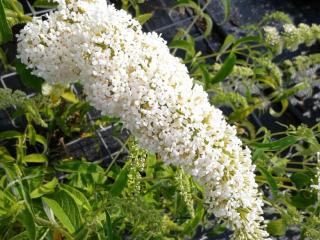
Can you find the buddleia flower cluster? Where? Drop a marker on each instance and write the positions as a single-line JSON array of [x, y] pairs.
[[291, 37], [132, 75]]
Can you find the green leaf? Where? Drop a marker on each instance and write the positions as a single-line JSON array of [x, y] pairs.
[[304, 199], [35, 158], [70, 96], [21, 236], [228, 41], [277, 144], [247, 39], [284, 107], [32, 113], [277, 227], [3, 59], [76, 166], [5, 155], [5, 30], [31, 134], [272, 183], [285, 93], [70, 207], [121, 180], [143, 18], [44, 189], [59, 213], [225, 69], [77, 196], [28, 222], [82, 234], [192, 224], [11, 134], [14, 12], [43, 142], [27, 78], [218, 230], [184, 45], [150, 162], [13, 5], [108, 227], [206, 75], [301, 179]]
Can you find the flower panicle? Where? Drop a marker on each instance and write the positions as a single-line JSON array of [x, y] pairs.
[[132, 75]]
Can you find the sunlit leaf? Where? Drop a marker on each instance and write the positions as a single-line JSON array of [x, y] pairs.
[[225, 69], [11, 134], [143, 18], [59, 213], [121, 181], [277, 144], [70, 207], [35, 158], [70, 96], [276, 227], [44, 189], [31, 134], [77, 196]]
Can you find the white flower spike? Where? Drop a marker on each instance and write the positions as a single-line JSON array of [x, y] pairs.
[[132, 75]]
